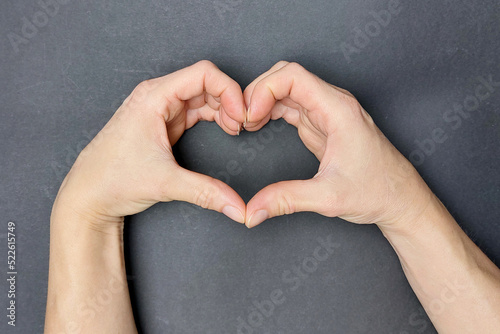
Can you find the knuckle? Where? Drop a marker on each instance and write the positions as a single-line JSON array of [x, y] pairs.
[[345, 96], [281, 63], [286, 204], [204, 197], [205, 64], [346, 101], [352, 105], [140, 92], [350, 101], [295, 67], [144, 86]]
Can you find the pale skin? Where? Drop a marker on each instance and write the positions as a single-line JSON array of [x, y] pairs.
[[362, 178]]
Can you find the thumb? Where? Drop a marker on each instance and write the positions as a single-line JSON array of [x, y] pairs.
[[287, 197], [204, 191]]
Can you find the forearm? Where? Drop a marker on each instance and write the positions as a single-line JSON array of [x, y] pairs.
[[87, 281], [457, 284]]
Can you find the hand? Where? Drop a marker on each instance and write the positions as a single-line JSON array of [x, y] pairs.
[[362, 177], [129, 165]]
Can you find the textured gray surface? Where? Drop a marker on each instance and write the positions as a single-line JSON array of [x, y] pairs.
[[193, 271]]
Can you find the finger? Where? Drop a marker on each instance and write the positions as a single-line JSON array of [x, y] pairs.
[[204, 76], [203, 113], [215, 106], [285, 109], [249, 89], [168, 94], [202, 190], [209, 108], [291, 81], [252, 127], [206, 113], [287, 197], [213, 102], [288, 110], [225, 121]]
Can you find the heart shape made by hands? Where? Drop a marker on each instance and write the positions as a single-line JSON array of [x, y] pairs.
[[335, 128], [361, 177]]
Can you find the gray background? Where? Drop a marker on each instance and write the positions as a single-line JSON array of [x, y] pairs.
[[194, 271]]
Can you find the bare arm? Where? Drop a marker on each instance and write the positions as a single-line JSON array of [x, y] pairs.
[[127, 168], [362, 178], [458, 286], [87, 283]]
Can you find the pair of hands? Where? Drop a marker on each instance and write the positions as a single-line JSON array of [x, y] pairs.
[[129, 165]]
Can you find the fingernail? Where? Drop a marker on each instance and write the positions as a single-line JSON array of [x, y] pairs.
[[233, 213], [257, 218], [246, 118], [239, 130]]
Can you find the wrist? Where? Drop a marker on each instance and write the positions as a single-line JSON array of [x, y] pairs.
[[430, 210], [76, 240], [72, 212], [408, 202], [75, 222], [86, 260]]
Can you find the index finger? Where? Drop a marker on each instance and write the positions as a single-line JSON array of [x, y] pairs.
[[167, 94], [292, 81]]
